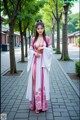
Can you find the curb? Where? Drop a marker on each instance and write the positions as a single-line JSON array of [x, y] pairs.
[[72, 84], [4, 72]]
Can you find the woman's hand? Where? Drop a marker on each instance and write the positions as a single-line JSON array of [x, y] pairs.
[[40, 48], [36, 54]]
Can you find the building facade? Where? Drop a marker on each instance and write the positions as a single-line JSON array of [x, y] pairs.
[[72, 38], [5, 35]]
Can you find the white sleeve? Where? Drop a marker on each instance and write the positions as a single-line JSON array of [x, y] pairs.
[[30, 57], [31, 52], [47, 57]]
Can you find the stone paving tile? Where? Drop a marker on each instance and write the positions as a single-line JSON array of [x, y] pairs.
[[72, 113], [63, 104], [75, 118], [33, 118], [49, 115], [69, 66], [11, 115], [41, 118], [65, 114], [23, 111], [62, 118], [49, 110], [57, 114], [14, 109], [21, 115], [21, 119]]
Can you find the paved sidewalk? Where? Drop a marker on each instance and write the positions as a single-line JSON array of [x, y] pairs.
[[69, 66], [63, 105], [5, 65]]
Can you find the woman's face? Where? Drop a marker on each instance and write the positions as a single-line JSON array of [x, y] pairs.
[[40, 29]]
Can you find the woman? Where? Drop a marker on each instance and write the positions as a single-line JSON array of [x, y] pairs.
[[39, 61]]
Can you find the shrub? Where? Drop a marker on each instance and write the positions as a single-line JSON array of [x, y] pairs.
[[78, 40], [77, 66]]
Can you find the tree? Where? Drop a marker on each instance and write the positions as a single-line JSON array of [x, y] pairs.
[[78, 25], [49, 21], [22, 42], [67, 5], [73, 23], [64, 55], [25, 21], [56, 8], [11, 9]]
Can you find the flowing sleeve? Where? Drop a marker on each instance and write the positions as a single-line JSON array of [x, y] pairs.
[[30, 55], [47, 55]]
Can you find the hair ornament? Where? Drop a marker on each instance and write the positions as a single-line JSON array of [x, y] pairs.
[[39, 21]]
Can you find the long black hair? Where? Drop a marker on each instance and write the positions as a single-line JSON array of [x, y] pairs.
[[39, 22]]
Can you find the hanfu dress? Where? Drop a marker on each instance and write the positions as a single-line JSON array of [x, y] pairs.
[[38, 91]]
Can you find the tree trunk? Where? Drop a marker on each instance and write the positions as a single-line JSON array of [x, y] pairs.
[[58, 29], [25, 44], [53, 45], [22, 42], [29, 39], [11, 49], [64, 55], [58, 35]]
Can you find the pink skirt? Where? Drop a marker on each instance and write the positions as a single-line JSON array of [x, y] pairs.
[[38, 101]]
